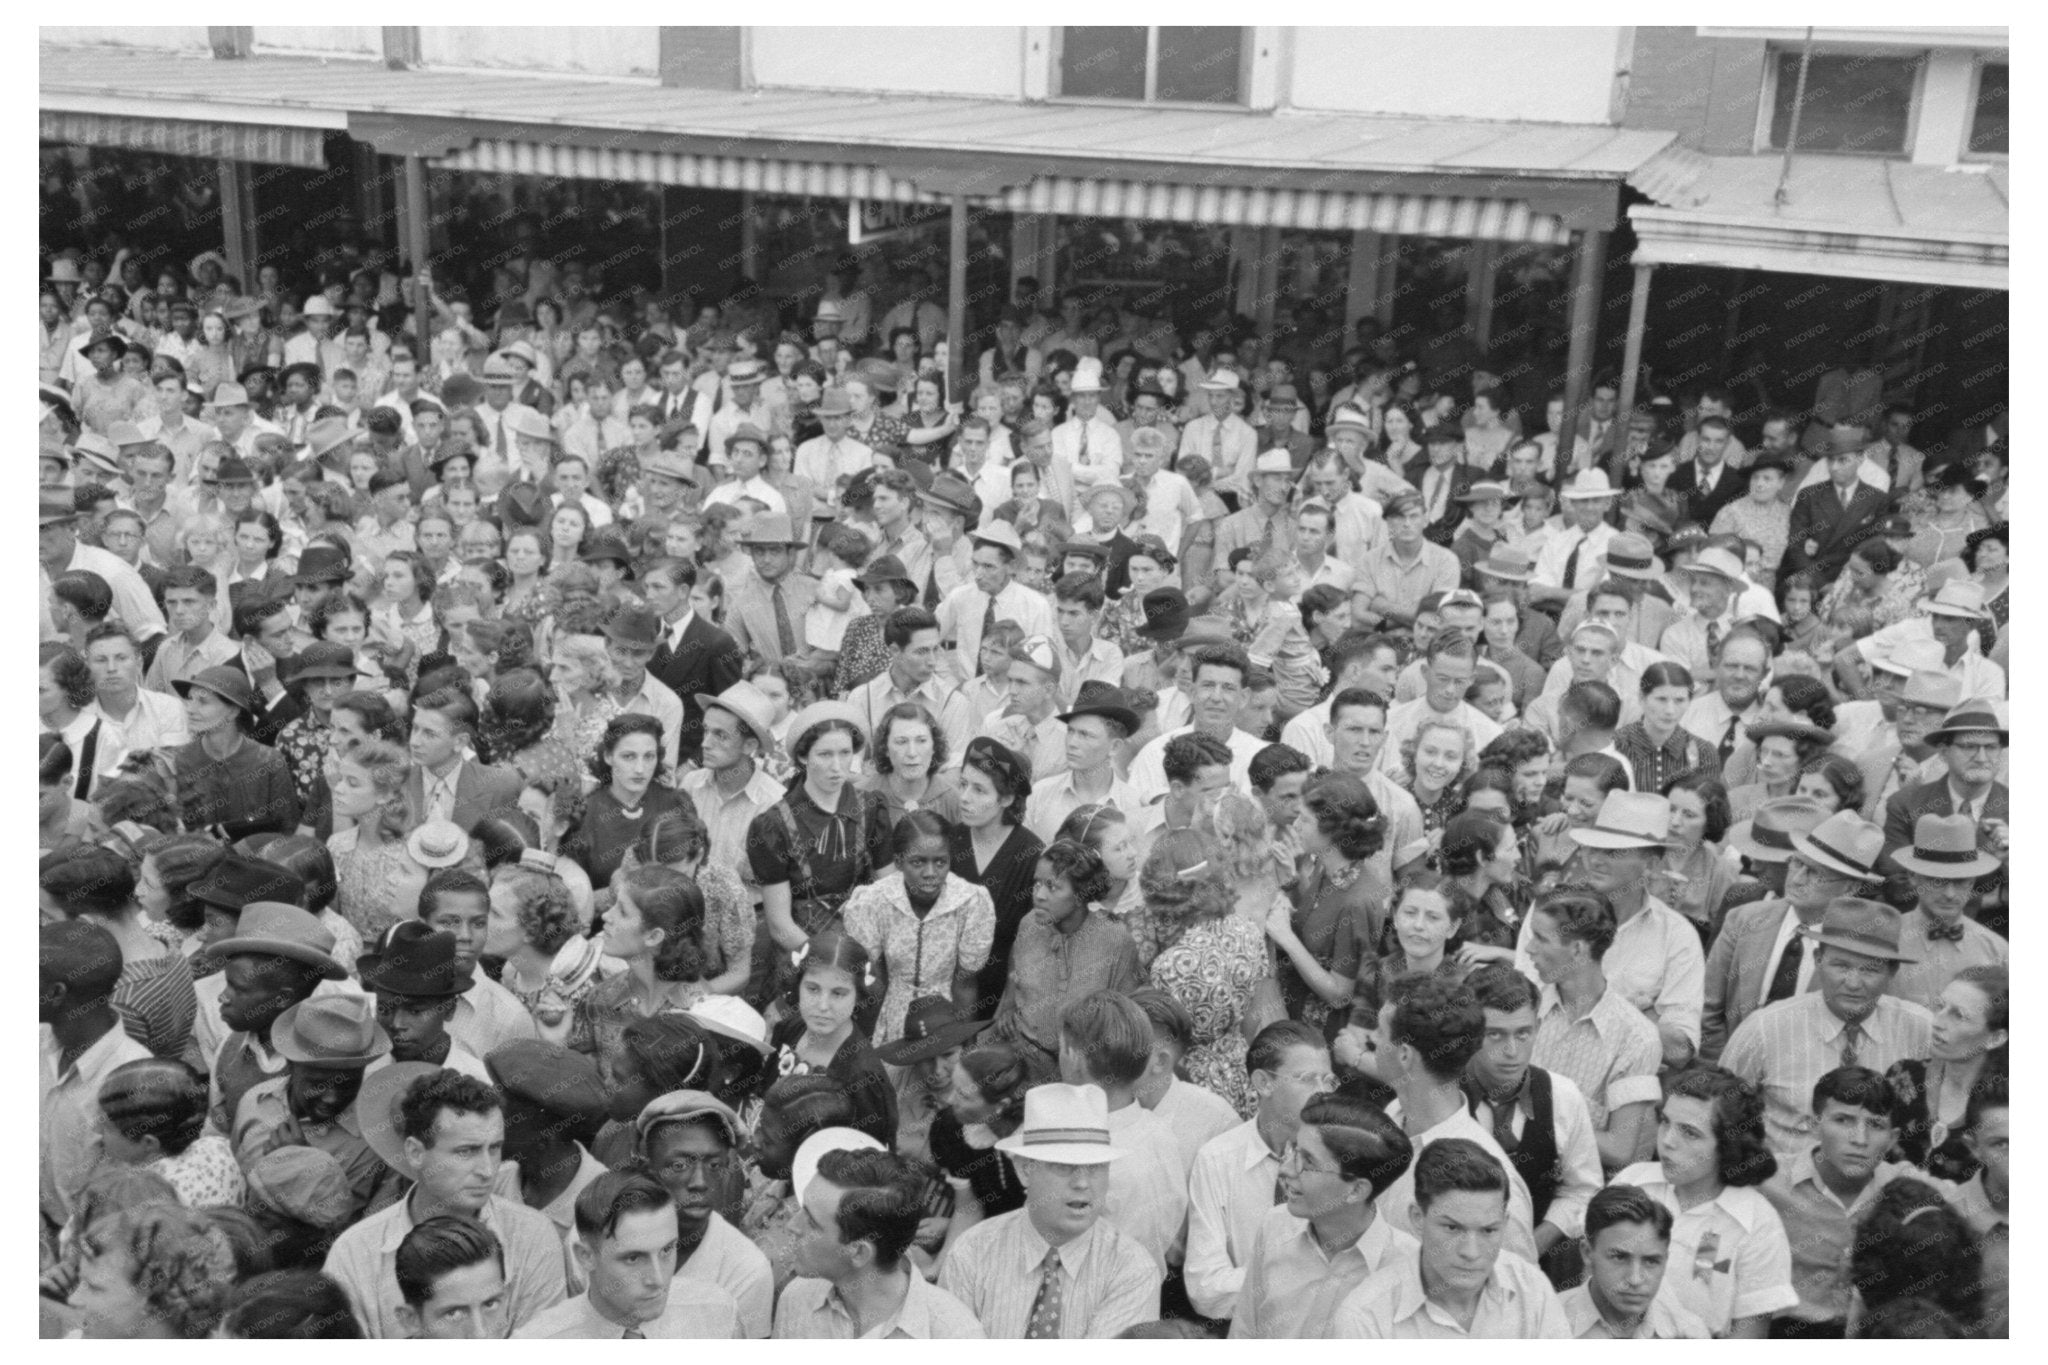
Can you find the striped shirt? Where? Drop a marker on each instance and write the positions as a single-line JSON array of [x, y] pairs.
[[1108, 1281], [1789, 1046], [1292, 1287], [1611, 1052], [1922, 982]]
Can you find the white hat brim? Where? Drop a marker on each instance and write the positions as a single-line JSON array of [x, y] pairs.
[[1060, 1153]]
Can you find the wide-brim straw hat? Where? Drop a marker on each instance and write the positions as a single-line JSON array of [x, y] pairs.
[[1064, 1125], [1946, 846]]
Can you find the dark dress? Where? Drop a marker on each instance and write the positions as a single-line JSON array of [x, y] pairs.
[[988, 1173], [1008, 879], [599, 842], [1340, 927], [1913, 1112], [855, 1067]]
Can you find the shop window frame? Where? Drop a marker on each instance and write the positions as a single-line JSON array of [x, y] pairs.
[[1247, 52], [1967, 152], [1775, 69]]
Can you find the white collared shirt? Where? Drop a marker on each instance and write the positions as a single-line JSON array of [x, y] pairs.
[[1230, 1193]]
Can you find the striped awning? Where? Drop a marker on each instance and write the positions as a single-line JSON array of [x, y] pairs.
[[271, 146], [820, 179], [1504, 220]]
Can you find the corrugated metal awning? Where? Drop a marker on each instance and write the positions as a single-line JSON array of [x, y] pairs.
[[269, 146], [1505, 220], [1854, 217]]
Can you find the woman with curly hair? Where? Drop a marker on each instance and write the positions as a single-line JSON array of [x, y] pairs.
[[158, 1272], [1482, 861], [519, 731], [1434, 771], [991, 848], [169, 866], [516, 838], [656, 927], [929, 928], [1210, 959], [1429, 916], [528, 552], [626, 764], [1832, 781], [1878, 587], [1732, 1262], [984, 1106], [1793, 698], [532, 916], [1526, 756], [1236, 829], [677, 839], [65, 692], [378, 881], [1912, 1244], [1106, 832], [909, 765], [584, 679], [1334, 923], [153, 1115], [1064, 950]]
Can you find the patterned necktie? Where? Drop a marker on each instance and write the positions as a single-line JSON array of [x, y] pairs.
[[1266, 538], [988, 625], [1852, 1043], [1713, 639], [1727, 744], [784, 636], [1044, 1324], [1216, 450], [1785, 981], [1081, 455], [501, 436], [632, 1334]]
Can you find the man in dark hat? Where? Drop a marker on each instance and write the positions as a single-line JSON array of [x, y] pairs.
[[690, 1141], [225, 778], [327, 1042], [1850, 1020], [106, 393], [414, 972], [1097, 727], [606, 553], [633, 635], [555, 1102], [1973, 740]]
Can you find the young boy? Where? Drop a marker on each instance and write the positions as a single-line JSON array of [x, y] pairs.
[[1628, 1250], [987, 694], [1077, 607], [190, 595]]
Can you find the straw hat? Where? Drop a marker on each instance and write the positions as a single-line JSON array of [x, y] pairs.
[[1844, 843], [1065, 1125], [1767, 837], [332, 1031], [1587, 484], [1859, 926], [438, 843], [1628, 820], [1946, 846], [377, 1109], [749, 705]]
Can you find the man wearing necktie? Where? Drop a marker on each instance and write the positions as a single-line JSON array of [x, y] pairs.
[[765, 613]]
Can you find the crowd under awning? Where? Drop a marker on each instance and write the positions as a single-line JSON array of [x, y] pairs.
[[1855, 217]]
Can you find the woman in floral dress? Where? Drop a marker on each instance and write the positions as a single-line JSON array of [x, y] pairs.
[[1210, 960]]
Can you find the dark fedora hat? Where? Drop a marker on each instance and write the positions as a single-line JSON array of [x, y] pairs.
[[113, 339], [549, 1077], [230, 684], [1098, 698], [884, 569], [931, 1026], [238, 880], [635, 625], [323, 564], [323, 659], [1859, 926], [1166, 614], [412, 959], [1970, 716], [605, 545]]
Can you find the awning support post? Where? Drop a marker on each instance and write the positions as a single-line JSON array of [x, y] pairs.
[[1587, 268], [416, 248], [1638, 321], [1482, 261], [956, 301], [750, 237], [1362, 280], [238, 222]]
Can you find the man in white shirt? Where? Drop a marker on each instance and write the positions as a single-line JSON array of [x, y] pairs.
[[1314, 530], [1170, 503], [1220, 672], [1221, 436], [993, 596], [1573, 560], [626, 1238], [1236, 1176], [746, 454], [747, 408], [1088, 439], [1448, 670], [1106, 1041], [61, 552], [633, 636], [1358, 659], [827, 459]]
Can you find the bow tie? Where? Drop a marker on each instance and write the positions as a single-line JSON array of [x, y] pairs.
[[1937, 933]]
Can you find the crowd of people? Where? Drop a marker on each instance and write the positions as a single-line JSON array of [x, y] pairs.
[[605, 826]]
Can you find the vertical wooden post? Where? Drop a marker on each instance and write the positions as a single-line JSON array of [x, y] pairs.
[[1482, 260], [416, 247], [750, 242], [1362, 280], [238, 223], [1632, 352], [1590, 261], [956, 299]]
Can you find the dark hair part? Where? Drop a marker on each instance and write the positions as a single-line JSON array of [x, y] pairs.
[[1344, 810], [915, 712], [1368, 1145], [1856, 1086], [1269, 1046], [1498, 986], [1440, 1019], [613, 1195], [1112, 1035], [615, 732], [1081, 866], [1582, 914], [1186, 755], [159, 1097], [882, 1203], [1274, 762], [1626, 1206], [291, 1305], [440, 1246]]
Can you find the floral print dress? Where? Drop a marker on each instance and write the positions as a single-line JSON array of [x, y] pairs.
[[1212, 971]]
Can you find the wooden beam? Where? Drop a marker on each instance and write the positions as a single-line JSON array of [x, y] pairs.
[[1632, 353], [1588, 263], [238, 222], [416, 247], [956, 300]]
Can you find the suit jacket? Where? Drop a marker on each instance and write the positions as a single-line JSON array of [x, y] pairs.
[[535, 397], [1463, 476], [1904, 810], [706, 660], [1738, 969], [1818, 515], [480, 790], [1702, 507]]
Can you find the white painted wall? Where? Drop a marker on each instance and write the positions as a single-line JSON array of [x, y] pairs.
[[335, 40], [596, 50], [935, 60], [1546, 75], [180, 37]]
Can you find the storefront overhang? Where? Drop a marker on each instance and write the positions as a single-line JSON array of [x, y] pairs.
[[268, 145], [1859, 218], [1450, 177]]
